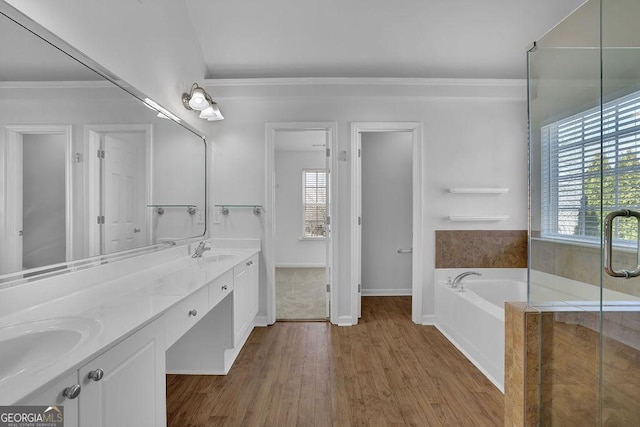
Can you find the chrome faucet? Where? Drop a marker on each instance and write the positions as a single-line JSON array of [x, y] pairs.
[[200, 250], [458, 280]]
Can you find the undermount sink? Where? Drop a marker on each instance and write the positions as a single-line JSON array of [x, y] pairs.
[[220, 256], [31, 346]]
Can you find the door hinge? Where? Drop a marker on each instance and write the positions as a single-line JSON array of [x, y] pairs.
[[328, 287], [359, 152], [359, 288], [100, 154], [328, 220], [328, 152], [359, 220], [100, 219]]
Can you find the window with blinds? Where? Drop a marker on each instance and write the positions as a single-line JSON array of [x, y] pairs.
[[314, 199], [579, 173]]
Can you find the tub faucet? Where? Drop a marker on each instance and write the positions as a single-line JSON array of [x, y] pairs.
[[200, 250], [458, 280]]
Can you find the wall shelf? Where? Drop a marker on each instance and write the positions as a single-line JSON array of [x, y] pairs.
[[477, 218], [257, 209], [159, 208], [478, 190]]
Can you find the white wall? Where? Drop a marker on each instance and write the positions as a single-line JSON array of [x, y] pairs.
[[474, 135], [149, 44], [291, 249]]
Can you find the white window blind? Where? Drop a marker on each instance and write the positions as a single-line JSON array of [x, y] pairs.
[[578, 172], [314, 199]]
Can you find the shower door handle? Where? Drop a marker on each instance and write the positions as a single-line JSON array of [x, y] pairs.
[[608, 244]]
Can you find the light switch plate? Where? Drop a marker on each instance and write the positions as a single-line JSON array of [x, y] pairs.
[[217, 215]]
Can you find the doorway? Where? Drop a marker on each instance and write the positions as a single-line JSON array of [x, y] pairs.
[[386, 190], [118, 215], [37, 201], [387, 202], [298, 210]]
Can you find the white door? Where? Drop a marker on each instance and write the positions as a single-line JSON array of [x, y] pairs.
[[386, 213], [123, 181]]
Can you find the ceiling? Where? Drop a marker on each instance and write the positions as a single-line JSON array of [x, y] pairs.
[[371, 38]]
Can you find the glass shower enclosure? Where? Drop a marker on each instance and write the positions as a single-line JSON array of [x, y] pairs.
[[584, 263]]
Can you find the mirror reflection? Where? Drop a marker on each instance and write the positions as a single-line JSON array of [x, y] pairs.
[[87, 168]]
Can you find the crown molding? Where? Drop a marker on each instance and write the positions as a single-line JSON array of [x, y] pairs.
[[387, 88], [391, 81]]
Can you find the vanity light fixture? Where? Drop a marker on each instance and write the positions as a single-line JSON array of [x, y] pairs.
[[199, 100]]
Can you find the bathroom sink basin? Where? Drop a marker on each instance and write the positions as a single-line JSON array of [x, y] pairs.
[[31, 346], [220, 256]]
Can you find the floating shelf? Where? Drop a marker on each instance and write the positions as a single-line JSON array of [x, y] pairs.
[[159, 209], [225, 208], [467, 218], [478, 190]]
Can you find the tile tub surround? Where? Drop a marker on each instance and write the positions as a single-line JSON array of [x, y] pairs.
[[481, 248], [582, 263], [122, 301]]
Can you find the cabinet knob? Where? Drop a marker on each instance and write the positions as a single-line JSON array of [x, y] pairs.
[[193, 312], [71, 392], [225, 287], [96, 375]]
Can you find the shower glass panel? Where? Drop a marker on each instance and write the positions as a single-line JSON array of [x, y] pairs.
[[620, 327], [584, 111], [566, 215]]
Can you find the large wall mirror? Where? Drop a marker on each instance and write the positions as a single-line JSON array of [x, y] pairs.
[[87, 168]]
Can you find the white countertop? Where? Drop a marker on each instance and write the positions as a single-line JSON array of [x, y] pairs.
[[114, 309]]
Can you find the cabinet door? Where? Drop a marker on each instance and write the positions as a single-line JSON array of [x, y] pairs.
[[241, 305], [253, 281], [53, 397], [128, 386]]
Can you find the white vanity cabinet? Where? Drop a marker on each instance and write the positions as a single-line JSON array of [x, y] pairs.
[[180, 318], [126, 386], [55, 395], [245, 299]]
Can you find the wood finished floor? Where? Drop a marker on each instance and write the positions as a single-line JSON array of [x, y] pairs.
[[386, 371]]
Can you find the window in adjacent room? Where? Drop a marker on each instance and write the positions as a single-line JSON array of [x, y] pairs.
[[575, 165], [314, 199]]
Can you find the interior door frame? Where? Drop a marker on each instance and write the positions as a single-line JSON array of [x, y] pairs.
[[12, 163], [269, 242], [93, 179], [417, 273]]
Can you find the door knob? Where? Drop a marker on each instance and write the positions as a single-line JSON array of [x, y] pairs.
[[405, 251], [137, 230], [71, 392]]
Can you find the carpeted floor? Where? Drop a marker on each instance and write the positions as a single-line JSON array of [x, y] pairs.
[[300, 293]]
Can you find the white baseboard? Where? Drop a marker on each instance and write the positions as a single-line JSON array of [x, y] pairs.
[[345, 321], [260, 321], [194, 372], [300, 265], [429, 319], [386, 292]]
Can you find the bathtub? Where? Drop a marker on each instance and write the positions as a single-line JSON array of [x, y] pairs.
[[473, 320]]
